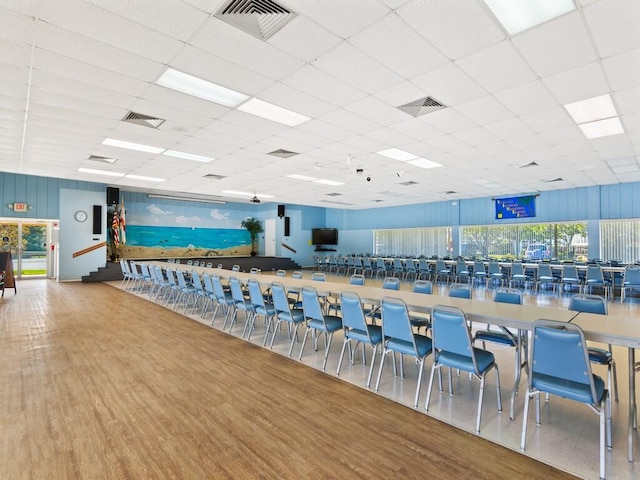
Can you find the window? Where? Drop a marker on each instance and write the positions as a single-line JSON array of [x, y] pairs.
[[413, 242], [620, 240]]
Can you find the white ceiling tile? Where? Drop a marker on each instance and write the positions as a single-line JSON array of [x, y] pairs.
[[623, 71], [314, 81], [394, 44], [614, 25], [349, 121], [447, 120], [509, 128], [527, 98], [344, 18], [455, 27], [627, 101], [577, 83], [484, 110], [556, 45], [14, 54], [196, 109], [476, 136], [325, 130], [377, 111], [295, 100], [228, 42], [357, 68], [173, 18], [449, 85], [497, 67], [550, 119], [305, 39]]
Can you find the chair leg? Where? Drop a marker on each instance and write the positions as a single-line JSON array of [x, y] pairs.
[[384, 354], [433, 371], [525, 416], [304, 341], [373, 361], [344, 347], [480, 399], [421, 367]]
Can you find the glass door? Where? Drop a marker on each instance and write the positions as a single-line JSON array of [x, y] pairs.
[[27, 241]]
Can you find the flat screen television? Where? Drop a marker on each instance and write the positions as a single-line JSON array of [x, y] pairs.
[[515, 207], [324, 236]]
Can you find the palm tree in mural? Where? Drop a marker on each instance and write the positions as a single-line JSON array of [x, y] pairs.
[[254, 227]]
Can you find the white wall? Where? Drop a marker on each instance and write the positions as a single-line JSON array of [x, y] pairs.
[[75, 236]]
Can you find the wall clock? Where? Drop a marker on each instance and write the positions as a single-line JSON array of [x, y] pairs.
[[81, 215]]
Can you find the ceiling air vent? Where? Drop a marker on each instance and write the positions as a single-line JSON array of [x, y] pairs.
[[559, 179], [449, 192], [530, 164], [260, 18], [144, 120], [335, 202], [410, 182], [334, 194], [214, 176], [97, 158], [422, 106], [283, 153]]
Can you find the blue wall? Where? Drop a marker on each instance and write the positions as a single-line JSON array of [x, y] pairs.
[[355, 226]]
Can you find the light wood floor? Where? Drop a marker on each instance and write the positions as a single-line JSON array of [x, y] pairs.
[[96, 383]]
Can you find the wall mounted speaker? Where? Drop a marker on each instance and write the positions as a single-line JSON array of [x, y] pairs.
[[113, 196], [97, 219], [287, 226], [281, 211]]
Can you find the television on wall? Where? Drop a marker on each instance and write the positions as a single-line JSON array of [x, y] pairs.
[[324, 236], [515, 207]]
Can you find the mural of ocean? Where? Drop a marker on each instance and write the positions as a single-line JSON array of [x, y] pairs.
[[171, 237]]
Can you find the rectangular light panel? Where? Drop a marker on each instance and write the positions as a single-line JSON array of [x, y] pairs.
[[592, 109], [187, 156], [112, 142], [272, 112], [197, 87], [519, 15]]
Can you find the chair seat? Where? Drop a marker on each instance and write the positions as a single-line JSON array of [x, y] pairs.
[[484, 360], [296, 316], [268, 310], [419, 322], [579, 392], [375, 334], [423, 345], [332, 323], [495, 337], [600, 356]]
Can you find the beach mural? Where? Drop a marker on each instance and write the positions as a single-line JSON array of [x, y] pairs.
[[163, 230]]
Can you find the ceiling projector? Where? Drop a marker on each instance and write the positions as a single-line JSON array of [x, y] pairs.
[[255, 200]]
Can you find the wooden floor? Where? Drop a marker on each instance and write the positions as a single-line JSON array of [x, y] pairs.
[[96, 383]]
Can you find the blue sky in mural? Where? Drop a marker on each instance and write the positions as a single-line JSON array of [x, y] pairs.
[[181, 216]]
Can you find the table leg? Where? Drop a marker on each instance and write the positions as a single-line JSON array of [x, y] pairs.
[[632, 403]]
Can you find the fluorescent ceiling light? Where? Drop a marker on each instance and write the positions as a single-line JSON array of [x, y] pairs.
[[592, 109], [519, 15], [185, 83], [187, 156], [100, 172], [246, 194], [300, 177], [424, 163], [112, 142], [185, 199], [272, 112], [142, 177], [398, 154], [328, 182], [602, 128]]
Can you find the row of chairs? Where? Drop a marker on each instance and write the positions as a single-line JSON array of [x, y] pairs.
[[451, 341]]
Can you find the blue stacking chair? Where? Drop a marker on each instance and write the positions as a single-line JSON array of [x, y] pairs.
[[240, 303], [224, 300], [356, 329], [210, 297], [518, 276], [399, 337], [425, 287], [355, 279], [259, 307], [495, 276], [460, 290], [389, 283], [284, 313], [318, 322], [570, 278], [630, 282], [560, 366], [463, 275], [479, 273], [453, 348], [186, 290], [545, 277], [595, 278], [598, 356]]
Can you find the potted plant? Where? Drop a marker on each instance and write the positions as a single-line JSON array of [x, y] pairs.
[[254, 227]]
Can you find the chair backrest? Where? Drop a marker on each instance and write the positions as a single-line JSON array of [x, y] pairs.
[[196, 263], [517, 269], [356, 279], [459, 290], [235, 268], [478, 267], [559, 351], [255, 293], [588, 304], [494, 268], [195, 279], [281, 273], [391, 283], [219, 266], [451, 332], [397, 264], [209, 265], [396, 323], [423, 286], [319, 277], [208, 284], [218, 290], [254, 271], [297, 274], [279, 297], [181, 280], [508, 295], [352, 313], [570, 271], [461, 267], [311, 304], [177, 260], [236, 291], [440, 266], [544, 270], [594, 274], [171, 278], [631, 276], [189, 262]]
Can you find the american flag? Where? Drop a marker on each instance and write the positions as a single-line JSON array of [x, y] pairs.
[[115, 226], [123, 225]]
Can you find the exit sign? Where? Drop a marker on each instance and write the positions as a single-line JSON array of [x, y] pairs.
[[19, 207]]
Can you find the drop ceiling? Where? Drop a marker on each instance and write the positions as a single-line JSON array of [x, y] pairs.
[[71, 71]]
